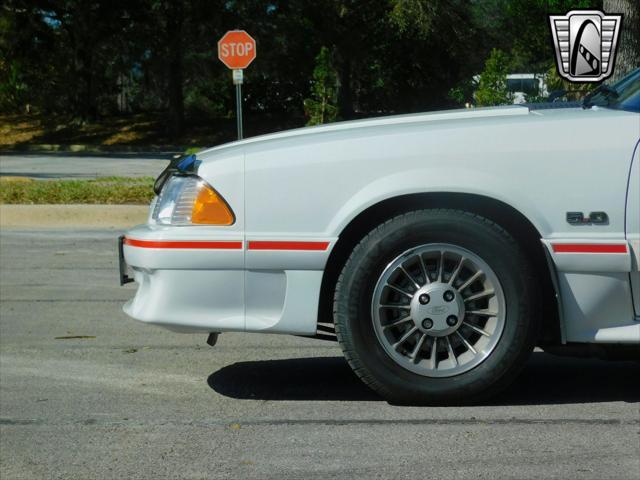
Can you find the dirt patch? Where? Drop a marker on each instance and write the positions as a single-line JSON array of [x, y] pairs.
[[86, 216], [19, 130]]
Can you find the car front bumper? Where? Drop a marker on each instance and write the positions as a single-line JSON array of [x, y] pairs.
[[190, 283]]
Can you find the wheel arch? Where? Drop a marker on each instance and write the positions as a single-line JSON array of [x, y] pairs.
[[508, 217]]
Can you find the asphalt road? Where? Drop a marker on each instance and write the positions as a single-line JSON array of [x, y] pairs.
[[70, 165], [133, 401]]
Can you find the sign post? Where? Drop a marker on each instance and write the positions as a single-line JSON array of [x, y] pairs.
[[236, 49], [237, 81]]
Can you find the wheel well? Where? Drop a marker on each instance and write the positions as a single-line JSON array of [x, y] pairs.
[[499, 212]]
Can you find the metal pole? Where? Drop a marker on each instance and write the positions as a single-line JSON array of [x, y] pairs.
[[239, 109]]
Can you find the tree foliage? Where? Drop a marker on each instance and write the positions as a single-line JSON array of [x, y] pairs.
[[90, 58], [321, 107], [492, 85]]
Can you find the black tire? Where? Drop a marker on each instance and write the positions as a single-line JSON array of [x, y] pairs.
[[354, 293]]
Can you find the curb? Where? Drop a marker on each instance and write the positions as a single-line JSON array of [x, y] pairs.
[[79, 148], [85, 216]]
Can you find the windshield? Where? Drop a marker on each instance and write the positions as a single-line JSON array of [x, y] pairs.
[[622, 95]]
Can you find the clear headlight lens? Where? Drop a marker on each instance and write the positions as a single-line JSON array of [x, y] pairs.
[[189, 200]]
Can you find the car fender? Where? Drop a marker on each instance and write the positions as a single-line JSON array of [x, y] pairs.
[[438, 180]]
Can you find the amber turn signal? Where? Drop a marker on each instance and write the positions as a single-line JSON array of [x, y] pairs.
[[210, 208]]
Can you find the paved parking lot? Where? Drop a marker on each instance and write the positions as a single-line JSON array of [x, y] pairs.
[[87, 393]]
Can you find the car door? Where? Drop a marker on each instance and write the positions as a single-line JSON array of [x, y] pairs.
[[632, 227]]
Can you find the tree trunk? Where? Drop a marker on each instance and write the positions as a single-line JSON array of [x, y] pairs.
[[175, 22], [628, 56], [345, 94], [88, 107], [83, 46]]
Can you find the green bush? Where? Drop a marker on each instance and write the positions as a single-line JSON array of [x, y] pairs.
[[321, 107], [492, 87]]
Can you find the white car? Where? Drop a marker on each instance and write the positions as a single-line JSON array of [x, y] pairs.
[[442, 247], [523, 85]]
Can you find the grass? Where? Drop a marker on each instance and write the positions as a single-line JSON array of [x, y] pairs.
[[108, 190]]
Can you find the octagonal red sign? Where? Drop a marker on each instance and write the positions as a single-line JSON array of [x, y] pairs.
[[236, 49]]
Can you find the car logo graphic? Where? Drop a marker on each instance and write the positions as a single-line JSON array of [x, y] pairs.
[[585, 42], [437, 310]]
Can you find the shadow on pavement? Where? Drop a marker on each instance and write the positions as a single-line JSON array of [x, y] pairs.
[[545, 380], [322, 378]]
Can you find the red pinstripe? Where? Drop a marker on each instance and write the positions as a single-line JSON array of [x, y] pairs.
[[280, 245], [215, 245], [589, 248], [229, 244]]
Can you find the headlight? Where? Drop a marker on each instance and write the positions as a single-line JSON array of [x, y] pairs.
[[189, 200]]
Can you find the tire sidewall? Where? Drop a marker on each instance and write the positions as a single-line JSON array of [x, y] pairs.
[[484, 239]]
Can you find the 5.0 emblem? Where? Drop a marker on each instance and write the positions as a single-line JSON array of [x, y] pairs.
[[594, 218]]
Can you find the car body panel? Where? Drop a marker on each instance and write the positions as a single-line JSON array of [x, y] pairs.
[[520, 160], [633, 226], [294, 193]]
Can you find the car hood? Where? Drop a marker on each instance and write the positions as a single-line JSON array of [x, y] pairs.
[[439, 116]]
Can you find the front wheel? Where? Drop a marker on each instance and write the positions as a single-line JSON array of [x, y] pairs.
[[436, 306]]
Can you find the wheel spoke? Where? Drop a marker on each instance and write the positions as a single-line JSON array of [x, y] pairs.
[[404, 338], [455, 273], [483, 313], [399, 290], [486, 293], [397, 322], [416, 284], [467, 344], [469, 281], [433, 358], [424, 270], [416, 350], [440, 267], [403, 307], [450, 351], [477, 329]]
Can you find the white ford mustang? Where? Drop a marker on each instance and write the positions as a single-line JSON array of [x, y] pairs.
[[440, 247]]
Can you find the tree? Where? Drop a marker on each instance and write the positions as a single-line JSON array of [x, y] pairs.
[[492, 86], [87, 33], [628, 56], [13, 89], [352, 28], [387, 56], [521, 29], [174, 21], [321, 108], [67, 50], [395, 55]]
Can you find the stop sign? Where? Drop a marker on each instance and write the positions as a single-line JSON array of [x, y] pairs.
[[236, 49]]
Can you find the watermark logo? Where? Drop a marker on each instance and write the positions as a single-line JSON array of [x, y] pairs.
[[585, 42]]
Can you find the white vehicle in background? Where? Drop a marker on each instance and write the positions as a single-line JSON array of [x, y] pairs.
[[442, 247], [523, 86]]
